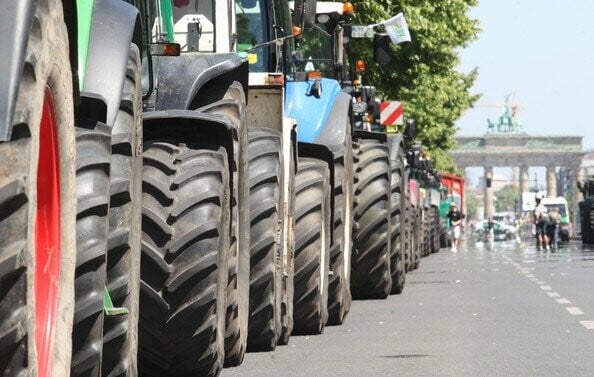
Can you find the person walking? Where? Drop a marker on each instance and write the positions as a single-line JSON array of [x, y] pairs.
[[455, 217], [540, 216], [553, 221]]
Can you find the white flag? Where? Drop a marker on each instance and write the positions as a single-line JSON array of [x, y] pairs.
[[397, 29]]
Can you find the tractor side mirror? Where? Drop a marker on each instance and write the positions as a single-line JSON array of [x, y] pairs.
[[304, 13], [381, 48], [411, 129]]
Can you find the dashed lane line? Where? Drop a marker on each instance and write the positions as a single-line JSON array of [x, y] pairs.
[[574, 310], [562, 301], [546, 288], [588, 324], [553, 294]]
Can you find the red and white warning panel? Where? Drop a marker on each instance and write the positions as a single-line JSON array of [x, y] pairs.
[[391, 113]]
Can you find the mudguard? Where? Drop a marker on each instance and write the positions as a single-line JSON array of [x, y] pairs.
[[15, 22], [115, 25], [312, 113], [334, 132], [190, 127], [179, 79], [379, 136]]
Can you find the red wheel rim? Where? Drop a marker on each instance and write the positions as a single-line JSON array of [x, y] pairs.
[[47, 238]]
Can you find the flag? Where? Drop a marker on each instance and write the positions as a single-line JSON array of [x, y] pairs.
[[397, 29]]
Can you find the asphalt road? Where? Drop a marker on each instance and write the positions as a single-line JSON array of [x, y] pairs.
[[501, 311]]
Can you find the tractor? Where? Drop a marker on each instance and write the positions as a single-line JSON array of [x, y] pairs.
[[70, 147]]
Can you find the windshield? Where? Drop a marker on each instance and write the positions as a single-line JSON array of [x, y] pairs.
[[251, 31], [318, 49]]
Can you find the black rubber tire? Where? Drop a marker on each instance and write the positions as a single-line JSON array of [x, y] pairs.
[[426, 234], [436, 229], [46, 66], [185, 236], [93, 155], [370, 269], [407, 235], [228, 99], [120, 333], [339, 290], [416, 238], [397, 203], [587, 227], [288, 240], [265, 167], [312, 244]]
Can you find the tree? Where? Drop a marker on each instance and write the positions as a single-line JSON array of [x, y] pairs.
[[507, 199], [422, 74]]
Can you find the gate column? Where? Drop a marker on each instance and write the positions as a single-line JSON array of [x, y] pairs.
[[524, 179], [551, 182]]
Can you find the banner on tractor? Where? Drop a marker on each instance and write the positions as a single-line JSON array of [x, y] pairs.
[[396, 27]]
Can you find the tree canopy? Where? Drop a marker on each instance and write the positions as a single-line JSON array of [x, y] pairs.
[[422, 74]]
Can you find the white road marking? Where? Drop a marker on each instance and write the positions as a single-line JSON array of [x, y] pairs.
[[529, 276], [545, 288], [540, 282], [588, 324], [553, 294], [562, 301], [574, 310]]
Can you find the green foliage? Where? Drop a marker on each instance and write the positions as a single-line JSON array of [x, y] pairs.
[[422, 74], [472, 203], [507, 198]]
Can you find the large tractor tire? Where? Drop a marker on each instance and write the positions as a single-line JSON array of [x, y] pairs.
[[339, 291], [185, 240], [288, 240], [370, 270], [436, 229], [416, 237], [93, 155], [120, 332], [407, 235], [37, 208], [229, 101], [587, 221], [397, 254], [312, 243], [265, 168]]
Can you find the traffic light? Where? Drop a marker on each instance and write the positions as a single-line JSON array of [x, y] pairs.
[[489, 181]]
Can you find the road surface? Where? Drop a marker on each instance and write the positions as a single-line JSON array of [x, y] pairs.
[[505, 310]]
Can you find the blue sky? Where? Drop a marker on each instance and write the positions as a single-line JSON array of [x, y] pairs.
[[541, 50]]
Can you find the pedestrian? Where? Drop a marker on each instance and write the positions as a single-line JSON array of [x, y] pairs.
[[553, 221], [455, 217], [540, 216], [490, 230]]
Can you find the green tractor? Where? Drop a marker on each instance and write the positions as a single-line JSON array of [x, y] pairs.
[[70, 140]]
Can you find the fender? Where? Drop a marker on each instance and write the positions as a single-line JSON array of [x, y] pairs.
[[115, 25], [395, 141], [179, 79], [16, 18], [334, 132], [379, 136], [299, 105], [190, 127]]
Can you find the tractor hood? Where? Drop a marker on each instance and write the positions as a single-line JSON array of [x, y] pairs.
[[311, 112]]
